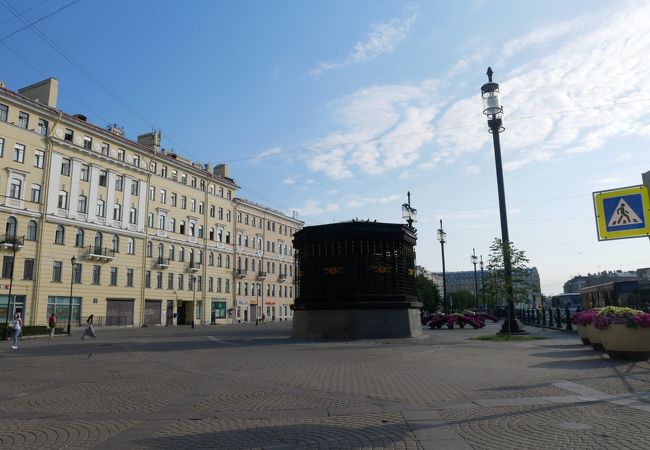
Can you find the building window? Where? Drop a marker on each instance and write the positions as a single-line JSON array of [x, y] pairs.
[[19, 153], [170, 281], [56, 270], [7, 266], [85, 172], [183, 202], [101, 208], [181, 227], [59, 235], [210, 284], [117, 212], [163, 196], [43, 127], [106, 149], [82, 206], [199, 283], [174, 175], [133, 216], [103, 175], [79, 238], [172, 225], [129, 277], [136, 160], [149, 249], [97, 272], [130, 248], [65, 167], [69, 135], [172, 253], [39, 156], [134, 188], [184, 178], [150, 220], [212, 210], [192, 205], [161, 250], [181, 254], [153, 167], [173, 198], [163, 171], [11, 227], [159, 280], [147, 279], [3, 112], [88, 142], [15, 187], [161, 221], [32, 228], [23, 120], [220, 213], [193, 182], [76, 273], [115, 243], [201, 208], [119, 183], [63, 200], [28, 270], [113, 281], [181, 281], [152, 192], [2, 147]]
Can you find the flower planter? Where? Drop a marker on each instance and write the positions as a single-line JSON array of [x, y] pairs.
[[623, 342], [594, 336], [584, 334]]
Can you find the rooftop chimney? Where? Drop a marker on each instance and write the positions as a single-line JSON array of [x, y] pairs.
[[151, 140], [221, 170], [46, 92]]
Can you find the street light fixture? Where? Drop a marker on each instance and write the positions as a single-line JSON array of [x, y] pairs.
[[442, 237], [482, 281], [474, 260], [73, 261], [494, 111], [16, 243], [409, 213]]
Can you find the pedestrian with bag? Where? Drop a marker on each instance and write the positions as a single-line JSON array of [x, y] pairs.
[[90, 329], [52, 324], [18, 328]]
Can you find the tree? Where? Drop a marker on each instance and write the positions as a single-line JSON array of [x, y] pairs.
[[462, 300], [495, 283], [428, 293]]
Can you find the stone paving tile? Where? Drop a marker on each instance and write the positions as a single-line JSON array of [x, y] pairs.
[[360, 431], [576, 426], [70, 434]]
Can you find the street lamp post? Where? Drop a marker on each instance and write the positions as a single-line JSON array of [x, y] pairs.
[[474, 259], [409, 213], [494, 111], [15, 244], [482, 281], [73, 262], [442, 237], [193, 299]]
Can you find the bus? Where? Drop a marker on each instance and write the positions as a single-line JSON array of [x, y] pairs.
[[617, 293], [570, 300]]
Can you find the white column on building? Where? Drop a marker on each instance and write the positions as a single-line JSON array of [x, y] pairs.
[[92, 198], [143, 193], [54, 183], [75, 178], [110, 200], [126, 208]]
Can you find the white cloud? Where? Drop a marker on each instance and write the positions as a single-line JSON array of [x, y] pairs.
[[267, 153], [382, 38], [290, 180], [316, 207]]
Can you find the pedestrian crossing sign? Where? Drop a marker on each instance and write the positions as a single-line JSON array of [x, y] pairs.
[[622, 213]]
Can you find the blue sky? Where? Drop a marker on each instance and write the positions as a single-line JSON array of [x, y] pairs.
[[336, 109]]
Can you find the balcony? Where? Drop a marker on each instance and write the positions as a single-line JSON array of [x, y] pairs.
[[11, 241], [282, 278], [261, 275], [194, 266], [241, 273], [100, 253], [162, 263]]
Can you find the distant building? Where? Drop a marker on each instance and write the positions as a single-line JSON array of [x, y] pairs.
[[581, 281]]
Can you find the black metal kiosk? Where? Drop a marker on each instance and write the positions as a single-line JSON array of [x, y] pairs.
[[356, 280]]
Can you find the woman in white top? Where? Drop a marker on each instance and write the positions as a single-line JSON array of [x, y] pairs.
[[18, 326]]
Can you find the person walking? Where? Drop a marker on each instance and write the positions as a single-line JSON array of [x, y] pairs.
[[18, 327], [90, 329], [52, 324]]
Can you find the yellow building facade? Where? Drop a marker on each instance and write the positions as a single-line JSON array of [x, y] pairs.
[[125, 230]]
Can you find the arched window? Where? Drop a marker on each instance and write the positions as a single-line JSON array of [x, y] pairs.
[[172, 225], [181, 254], [63, 200], [117, 212], [199, 254], [219, 260], [115, 243], [32, 228], [161, 221], [12, 227], [191, 255], [82, 206], [227, 261], [131, 246], [101, 208], [133, 216], [79, 238], [171, 252], [59, 236], [99, 241], [149, 249], [211, 259], [161, 250]]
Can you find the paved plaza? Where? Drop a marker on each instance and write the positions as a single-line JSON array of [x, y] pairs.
[[242, 386]]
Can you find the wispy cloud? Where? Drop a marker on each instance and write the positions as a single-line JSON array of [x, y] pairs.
[[382, 38], [315, 207], [559, 100], [275, 151]]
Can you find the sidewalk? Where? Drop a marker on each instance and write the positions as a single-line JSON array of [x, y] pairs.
[[254, 387]]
